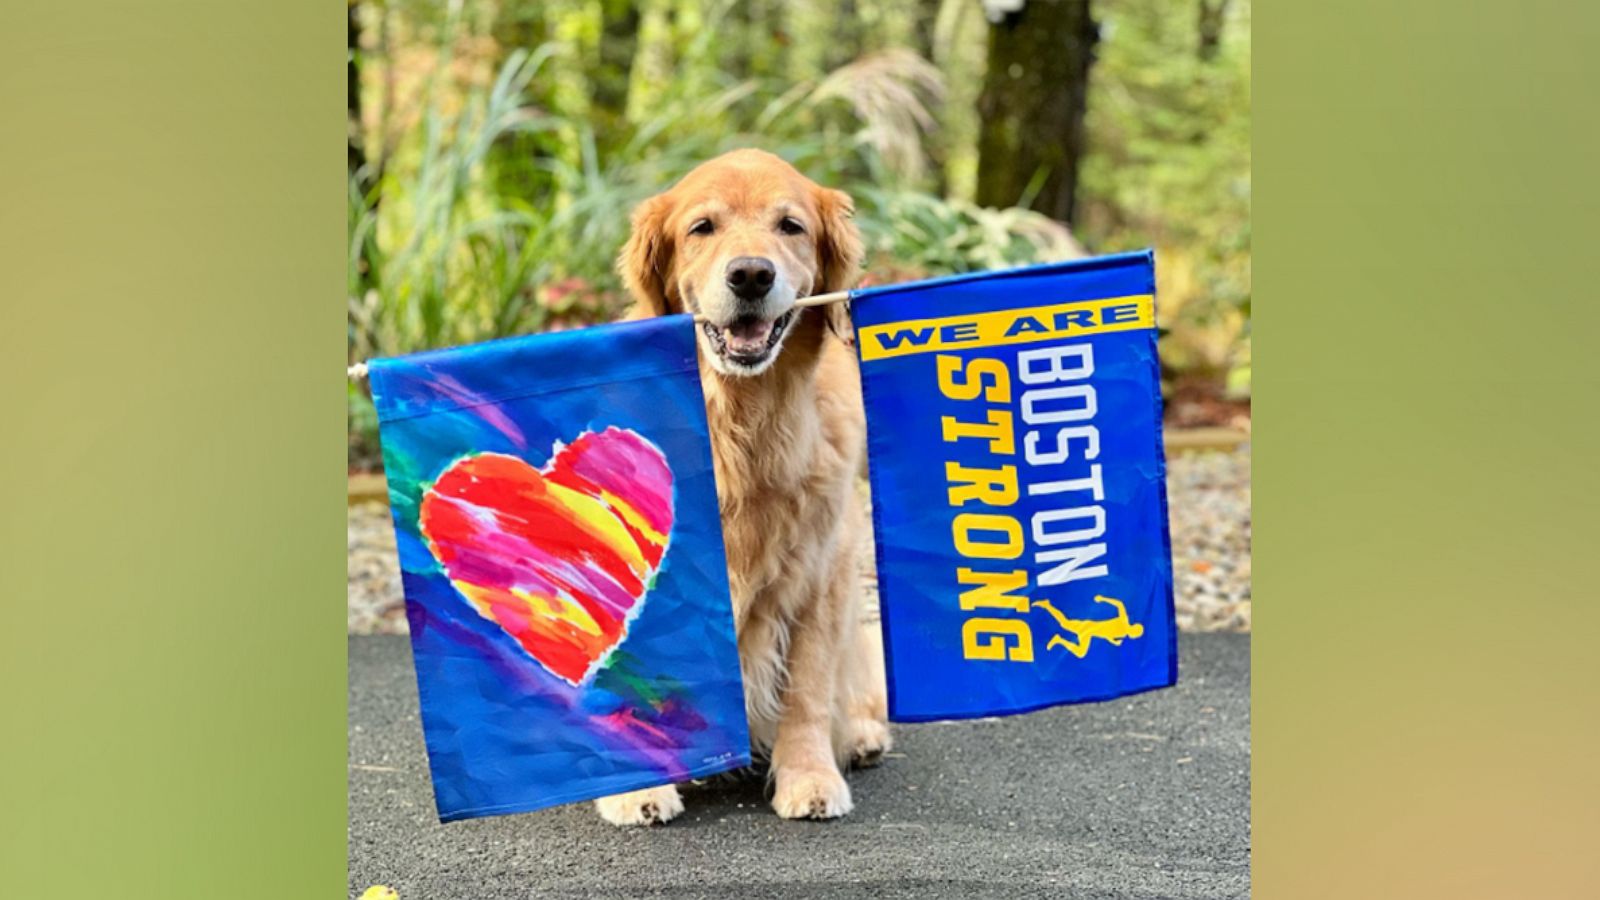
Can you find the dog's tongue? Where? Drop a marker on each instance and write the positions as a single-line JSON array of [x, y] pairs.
[[747, 337]]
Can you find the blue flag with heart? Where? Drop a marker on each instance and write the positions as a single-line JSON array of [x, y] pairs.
[[1018, 487], [561, 552]]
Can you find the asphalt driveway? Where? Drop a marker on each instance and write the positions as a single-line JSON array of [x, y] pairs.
[[1143, 797]]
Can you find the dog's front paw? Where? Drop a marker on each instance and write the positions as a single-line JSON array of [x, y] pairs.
[[650, 806], [808, 794], [869, 741]]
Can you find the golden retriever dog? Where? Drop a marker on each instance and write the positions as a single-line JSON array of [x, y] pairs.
[[737, 242]]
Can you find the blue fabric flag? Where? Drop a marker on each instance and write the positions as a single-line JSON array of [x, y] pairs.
[[1019, 487], [561, 551]]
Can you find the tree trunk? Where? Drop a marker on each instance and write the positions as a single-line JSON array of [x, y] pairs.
[[821, 37], [956, 44], [357, 157], [1211, 18], [1034, 97], [889, 23], [927, 17], [619, 36], [652, 65], [754, 40]]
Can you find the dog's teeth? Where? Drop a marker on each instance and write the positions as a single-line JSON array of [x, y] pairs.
[[747, 343]]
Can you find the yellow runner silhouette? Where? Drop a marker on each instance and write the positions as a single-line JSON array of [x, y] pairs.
[[1084, 631]]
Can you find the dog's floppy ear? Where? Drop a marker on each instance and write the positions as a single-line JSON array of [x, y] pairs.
[[839, 248], [645, 258]]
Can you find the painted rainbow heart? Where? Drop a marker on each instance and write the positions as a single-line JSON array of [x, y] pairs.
[[560, 557]]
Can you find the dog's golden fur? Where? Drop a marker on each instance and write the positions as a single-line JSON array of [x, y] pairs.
[[787, 443]]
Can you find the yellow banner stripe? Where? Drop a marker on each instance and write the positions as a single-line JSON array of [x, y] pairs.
[[1009, 326]]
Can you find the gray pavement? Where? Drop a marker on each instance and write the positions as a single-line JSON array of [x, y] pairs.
[[1143, 797]]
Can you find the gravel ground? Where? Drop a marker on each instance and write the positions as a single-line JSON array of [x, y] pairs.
[[1208, 504], [375, 605], [1208, 497]]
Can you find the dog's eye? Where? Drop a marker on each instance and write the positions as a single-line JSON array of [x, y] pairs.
[[791, 225], [702, 227]]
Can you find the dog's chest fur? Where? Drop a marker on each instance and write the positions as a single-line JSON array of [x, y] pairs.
[[786, 449], [781, 486]]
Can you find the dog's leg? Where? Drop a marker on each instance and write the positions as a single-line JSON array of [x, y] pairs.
[[866, 704], [807, 780], [863, 727], [647, 807], [763, 648]]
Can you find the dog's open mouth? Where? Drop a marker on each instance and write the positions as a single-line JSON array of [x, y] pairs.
[[747, 341]]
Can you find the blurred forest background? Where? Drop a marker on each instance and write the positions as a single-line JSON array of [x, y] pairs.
[[497, 146]]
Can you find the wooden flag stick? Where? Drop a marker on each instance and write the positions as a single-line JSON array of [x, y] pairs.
[[359, 370], [813, 300]]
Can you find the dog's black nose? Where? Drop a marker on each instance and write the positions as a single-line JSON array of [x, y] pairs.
[[751, 277]]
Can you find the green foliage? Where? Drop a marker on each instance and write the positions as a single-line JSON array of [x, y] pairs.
[[914, 234], [1169, 167], [456, 243], [435, 258], [508, 140]]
